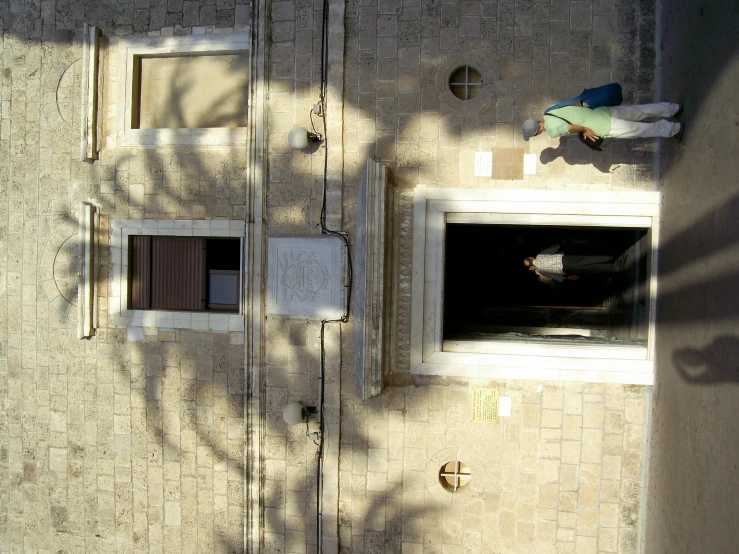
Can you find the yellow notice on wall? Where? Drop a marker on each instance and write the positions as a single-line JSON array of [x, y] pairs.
[[485, 404]]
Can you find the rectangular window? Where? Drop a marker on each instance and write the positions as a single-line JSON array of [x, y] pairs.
[[180, 91], [177, 92], [184, 273]]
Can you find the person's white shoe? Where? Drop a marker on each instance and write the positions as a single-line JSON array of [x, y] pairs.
[[679, 135]]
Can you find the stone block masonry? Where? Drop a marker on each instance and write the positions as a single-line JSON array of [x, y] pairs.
[[134, 441]]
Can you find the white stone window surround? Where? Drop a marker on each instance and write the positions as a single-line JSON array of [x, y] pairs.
[[535, 359], [130, 48], [120, 315]]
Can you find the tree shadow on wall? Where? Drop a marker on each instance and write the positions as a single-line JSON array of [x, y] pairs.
[[164, 195], [180, 389], [711, 297], [189, 104]]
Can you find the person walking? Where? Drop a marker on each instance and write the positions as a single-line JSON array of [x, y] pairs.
[[608, 122], [551, 263]]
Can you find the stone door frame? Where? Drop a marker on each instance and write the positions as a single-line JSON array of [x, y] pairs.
[[500, 359]]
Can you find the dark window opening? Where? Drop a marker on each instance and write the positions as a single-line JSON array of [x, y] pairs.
[[490, 294], [184, 273], [465, 83]]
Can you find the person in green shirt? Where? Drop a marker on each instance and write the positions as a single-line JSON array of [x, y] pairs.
[[613, 122]]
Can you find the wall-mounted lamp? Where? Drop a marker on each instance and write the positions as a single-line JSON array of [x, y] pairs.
[[295, 413], [299, 138]]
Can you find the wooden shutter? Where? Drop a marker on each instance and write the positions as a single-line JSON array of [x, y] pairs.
[[168, 273], [140, 273], [177, 273]]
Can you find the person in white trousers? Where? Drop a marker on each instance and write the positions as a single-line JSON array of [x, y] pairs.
[[627, 121], [614, 122]]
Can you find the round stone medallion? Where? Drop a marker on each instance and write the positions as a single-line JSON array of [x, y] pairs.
[[59, 272]]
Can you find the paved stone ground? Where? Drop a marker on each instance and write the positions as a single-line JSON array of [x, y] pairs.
[[114, 445], [563, 474], [693, 496], [539, 53], [535, 54], [106, 445]]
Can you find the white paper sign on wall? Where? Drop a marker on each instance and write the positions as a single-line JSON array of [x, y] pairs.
[[529, 164], [505, 405], [483, 164]]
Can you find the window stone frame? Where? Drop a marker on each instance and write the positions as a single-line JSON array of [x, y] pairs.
[[121, 315], [535, 359], [130, 48]]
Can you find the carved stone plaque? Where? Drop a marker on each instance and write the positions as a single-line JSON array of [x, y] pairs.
[[306, 277]]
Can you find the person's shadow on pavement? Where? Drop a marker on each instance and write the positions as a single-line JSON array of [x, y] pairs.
[[576, 156], [716, 363], [615, 152]]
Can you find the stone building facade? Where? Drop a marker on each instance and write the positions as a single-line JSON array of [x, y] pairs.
[[160, 435]]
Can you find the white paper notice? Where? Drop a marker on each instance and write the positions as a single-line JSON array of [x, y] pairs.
[[483, 164], [529, 164], [504, 406]]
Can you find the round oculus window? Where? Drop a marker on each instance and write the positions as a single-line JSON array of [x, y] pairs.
[[465, 82], [454, 476]]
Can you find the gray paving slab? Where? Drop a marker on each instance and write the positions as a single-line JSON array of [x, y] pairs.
[[693, 499]]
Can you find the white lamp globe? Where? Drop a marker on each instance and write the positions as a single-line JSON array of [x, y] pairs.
[[298, 138], [293, 413]]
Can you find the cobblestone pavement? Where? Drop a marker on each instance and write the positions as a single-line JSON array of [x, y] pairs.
[[134, 442]]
